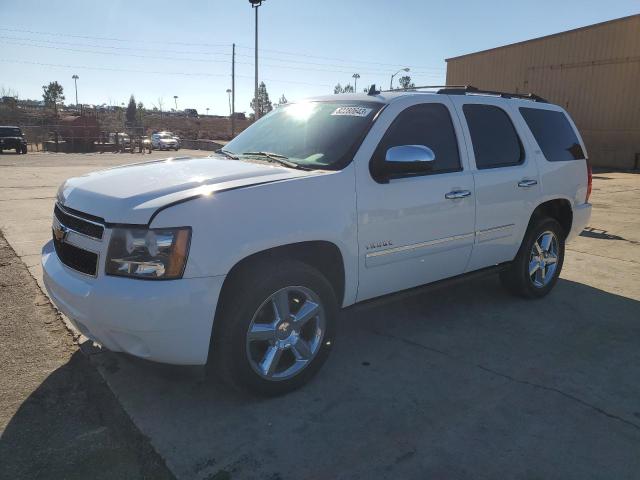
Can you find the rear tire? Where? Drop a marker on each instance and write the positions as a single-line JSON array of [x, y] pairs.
[[254, 347], [537, 266]]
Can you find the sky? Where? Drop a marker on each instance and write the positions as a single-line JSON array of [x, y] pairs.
[[158, 49]]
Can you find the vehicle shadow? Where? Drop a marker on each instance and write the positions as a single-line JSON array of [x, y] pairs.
[[72, 427], [449, 383]]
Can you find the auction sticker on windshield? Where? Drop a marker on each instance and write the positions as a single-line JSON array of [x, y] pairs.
[[352, 111]]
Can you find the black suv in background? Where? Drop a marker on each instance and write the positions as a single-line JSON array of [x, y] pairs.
[[12, 138]]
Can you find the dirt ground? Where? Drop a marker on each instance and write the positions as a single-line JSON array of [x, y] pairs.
[[58, 418], [462, 382]]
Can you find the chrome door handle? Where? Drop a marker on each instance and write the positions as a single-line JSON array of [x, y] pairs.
[[527, 183], [457, 194]]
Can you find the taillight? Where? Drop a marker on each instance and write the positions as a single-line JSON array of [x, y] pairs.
[[589, 182]]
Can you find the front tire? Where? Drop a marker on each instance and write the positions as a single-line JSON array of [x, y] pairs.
[[537, 266], [275, 327]]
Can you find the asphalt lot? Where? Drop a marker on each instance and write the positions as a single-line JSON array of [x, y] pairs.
[[463, 382]]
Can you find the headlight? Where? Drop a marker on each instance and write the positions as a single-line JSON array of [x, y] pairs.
[[158, 253]]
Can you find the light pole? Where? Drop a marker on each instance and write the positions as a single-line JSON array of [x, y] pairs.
[[255, 4], [229, 95], [355, 76], [75, 81], [175, 98], [401, 70], [207, 111]]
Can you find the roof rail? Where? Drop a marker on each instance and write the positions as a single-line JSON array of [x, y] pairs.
[[411, 89], [470, 89]]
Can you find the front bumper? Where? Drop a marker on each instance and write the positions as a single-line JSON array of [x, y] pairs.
[[165, 321], [581, 217]]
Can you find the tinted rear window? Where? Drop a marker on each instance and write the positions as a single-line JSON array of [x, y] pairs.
[[494, 138], [554, 134]]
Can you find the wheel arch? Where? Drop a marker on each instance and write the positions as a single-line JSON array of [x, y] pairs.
[[557, 208], [323, 255]]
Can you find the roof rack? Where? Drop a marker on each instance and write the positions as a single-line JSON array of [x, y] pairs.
[[470, 89], [462, 90], [410, 89]]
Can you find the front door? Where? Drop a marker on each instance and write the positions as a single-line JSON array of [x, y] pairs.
[[415, 224]]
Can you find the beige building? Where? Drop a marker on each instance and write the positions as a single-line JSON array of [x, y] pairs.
[[593, 72]]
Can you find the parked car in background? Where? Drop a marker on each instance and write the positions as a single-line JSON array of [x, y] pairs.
[[242, 260], [12, 138], [164, 141], [121, 139]]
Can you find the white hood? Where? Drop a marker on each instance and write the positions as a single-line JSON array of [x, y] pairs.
[[132, 193]]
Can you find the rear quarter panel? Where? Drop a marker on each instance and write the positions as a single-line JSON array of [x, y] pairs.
[[558, 180]]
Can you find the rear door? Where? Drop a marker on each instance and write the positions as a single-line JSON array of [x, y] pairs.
[[416, 226], [506, 177]]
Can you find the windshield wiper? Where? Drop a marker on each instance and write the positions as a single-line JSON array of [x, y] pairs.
[[276, 158], [227, 153]]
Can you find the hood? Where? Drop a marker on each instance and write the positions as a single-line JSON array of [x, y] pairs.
[[132, 193]]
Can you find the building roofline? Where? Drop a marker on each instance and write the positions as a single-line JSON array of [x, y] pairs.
[[544, 37]]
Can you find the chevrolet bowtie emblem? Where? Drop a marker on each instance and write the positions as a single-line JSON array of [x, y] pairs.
[[60, 232]]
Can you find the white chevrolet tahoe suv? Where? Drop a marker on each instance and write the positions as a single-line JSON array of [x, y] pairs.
[[241, 260]]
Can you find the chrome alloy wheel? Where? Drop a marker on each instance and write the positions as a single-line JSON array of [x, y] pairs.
[[285, 333], [543, 260]]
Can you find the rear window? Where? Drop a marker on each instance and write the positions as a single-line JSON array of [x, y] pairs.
[[494, 138], [554, 134]]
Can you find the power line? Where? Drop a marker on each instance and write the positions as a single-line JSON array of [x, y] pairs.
[[281, 52], [287, 67], [191, 52], [188, 74], [299, 54], [112, 47], [113, 39]]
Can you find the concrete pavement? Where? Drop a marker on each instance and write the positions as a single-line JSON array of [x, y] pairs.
[[463, 382]]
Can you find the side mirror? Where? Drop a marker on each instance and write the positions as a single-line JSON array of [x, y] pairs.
[[410, 154], [403, 160]]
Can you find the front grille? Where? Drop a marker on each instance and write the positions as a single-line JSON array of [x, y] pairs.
[[78, 224], [76, 258]]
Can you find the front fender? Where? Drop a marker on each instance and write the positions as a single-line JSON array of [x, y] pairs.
[[230, 226]]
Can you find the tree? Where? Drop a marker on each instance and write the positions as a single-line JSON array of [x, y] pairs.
[[263, 105], [405, 82], [140, 106], [52, 94], [131, 110], [282, 100], [348, 88]]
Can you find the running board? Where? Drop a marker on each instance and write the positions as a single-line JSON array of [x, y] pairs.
[[447, 282]]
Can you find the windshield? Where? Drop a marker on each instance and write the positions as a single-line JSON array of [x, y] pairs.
[[166, 137], [310, 134], [10, 132]]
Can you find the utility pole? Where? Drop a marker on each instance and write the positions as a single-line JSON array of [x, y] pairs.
[[256, 4], [233, 91]]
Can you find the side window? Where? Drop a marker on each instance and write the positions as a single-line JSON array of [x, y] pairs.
[[427, 124], [553, 132], [495, 141]]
